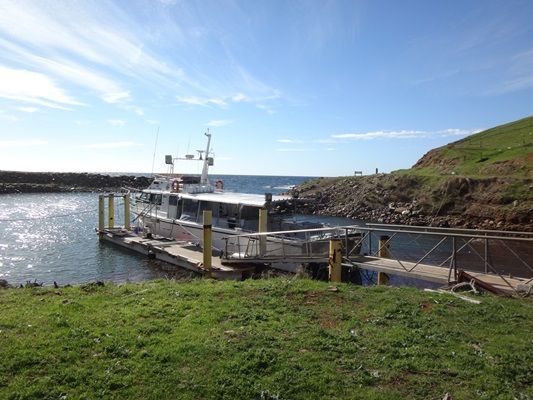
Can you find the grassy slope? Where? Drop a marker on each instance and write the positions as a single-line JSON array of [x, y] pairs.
[[504, 150], [286, 339]]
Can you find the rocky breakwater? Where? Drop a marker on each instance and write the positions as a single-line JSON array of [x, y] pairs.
[[492, 203], [48, 182]]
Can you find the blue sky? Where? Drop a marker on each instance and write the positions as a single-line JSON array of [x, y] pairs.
[[313, 88]]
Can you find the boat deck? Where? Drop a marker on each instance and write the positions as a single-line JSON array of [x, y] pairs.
[[180, 254]]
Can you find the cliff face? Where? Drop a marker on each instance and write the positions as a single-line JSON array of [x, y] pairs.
[[26, 182], [483, 181]]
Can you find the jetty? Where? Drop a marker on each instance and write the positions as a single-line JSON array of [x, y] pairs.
[[497, 261]]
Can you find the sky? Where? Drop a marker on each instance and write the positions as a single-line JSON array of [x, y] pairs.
[[308, 88]]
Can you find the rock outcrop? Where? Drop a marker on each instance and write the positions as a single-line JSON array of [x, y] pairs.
[[46, 182]]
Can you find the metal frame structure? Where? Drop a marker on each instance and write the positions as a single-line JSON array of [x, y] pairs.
[[410, 249]]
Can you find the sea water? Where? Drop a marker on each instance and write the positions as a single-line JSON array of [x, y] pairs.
[[51, 237]]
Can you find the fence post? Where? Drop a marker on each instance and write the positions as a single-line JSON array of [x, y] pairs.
[[383, 249], [207, 251], [101, 214], [127, 212], [486, 260], [334, 261], [111, 211], [263, 213]]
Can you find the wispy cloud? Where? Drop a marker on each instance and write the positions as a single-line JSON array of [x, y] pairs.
[[27, 109], [116, 122], [404, 134], [268, 109], [110, 145], [219, 122], [201, 101], [33, 87], [289, 141], [115, 56], [519, 74], [22, 143], [296, 150]]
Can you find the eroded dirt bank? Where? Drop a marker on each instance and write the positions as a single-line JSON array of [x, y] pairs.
[[490, 203]]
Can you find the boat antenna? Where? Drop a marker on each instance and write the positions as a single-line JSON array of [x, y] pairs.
[[204, 180], [155, 148]]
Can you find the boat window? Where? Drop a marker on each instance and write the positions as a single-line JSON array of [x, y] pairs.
[[249, 218], [190, 208], [204, 206], [173, 201], [155, 198], [145, 196]]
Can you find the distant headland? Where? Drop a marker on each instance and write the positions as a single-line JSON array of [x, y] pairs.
[[482, 181]]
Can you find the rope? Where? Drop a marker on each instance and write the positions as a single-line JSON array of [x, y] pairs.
[[471, 284]]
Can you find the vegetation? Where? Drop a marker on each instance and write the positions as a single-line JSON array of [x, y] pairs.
[[267, 339], [503, 150]]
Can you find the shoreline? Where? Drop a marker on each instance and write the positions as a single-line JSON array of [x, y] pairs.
[[13, 182]]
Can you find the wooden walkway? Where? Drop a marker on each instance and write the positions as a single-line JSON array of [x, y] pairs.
[[431, 273], [189, 256], [180, 254]]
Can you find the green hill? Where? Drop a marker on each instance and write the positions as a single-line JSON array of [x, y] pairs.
[[482, 181], [506, 150]]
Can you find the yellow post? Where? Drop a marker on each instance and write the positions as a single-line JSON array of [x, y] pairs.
[[335, 259], [383, 249], [383, 278], [263, 213], [101, 213], [127, 212], [207, 215], [111, 212]]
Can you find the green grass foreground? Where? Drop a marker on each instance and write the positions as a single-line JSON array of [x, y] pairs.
[[264, 339]]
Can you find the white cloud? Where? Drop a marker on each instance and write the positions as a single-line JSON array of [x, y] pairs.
[[110, 145], [298, 150], [116, 122], [32, 87], [113, 49], [404, 134], [289, 141], [240, 97], [201, 101], [22, 143], [219, 122], [110, 39], [266, 108], [116, 97], [27, 109]]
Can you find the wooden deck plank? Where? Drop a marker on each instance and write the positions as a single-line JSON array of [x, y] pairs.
[[176, 253], [429, 272]]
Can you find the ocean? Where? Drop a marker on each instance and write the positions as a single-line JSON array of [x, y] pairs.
[[51, 237]]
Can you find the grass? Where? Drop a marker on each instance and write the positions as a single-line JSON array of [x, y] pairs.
[[481, 154], [503, 150], [265, 339]]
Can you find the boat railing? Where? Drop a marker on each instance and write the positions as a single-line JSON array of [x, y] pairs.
[[304, 245], [198, 188]]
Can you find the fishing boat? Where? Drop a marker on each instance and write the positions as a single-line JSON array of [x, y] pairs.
[[172, 207]]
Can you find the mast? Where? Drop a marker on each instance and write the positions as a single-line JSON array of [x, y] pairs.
[[204, 180]]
